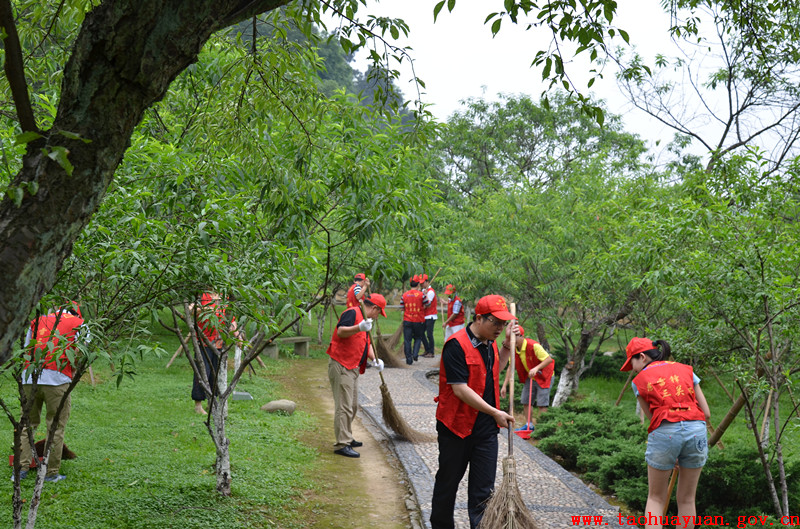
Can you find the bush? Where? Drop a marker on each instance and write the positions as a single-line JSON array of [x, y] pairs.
[[608, 443]]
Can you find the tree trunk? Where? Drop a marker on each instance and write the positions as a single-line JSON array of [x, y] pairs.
[[567, 384], [219, 415], [124, 58], [571, 374]]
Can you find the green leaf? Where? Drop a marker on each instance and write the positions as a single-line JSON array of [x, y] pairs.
[[60, 155], [26, 137], [496, 26], [74, 136], [438, 7]]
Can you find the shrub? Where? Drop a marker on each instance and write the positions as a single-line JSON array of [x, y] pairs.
[[608, 443]]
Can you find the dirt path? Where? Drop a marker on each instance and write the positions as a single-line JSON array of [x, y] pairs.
[[361, 493]]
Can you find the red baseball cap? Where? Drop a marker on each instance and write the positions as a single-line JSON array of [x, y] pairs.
[[377, 300], [423, 278], [415, 278], [635, 347], [449, 289], [360, 277], [521, 330], [494, 305]]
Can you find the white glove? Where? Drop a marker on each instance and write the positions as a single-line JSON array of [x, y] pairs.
[[378, 363], [365, 325]]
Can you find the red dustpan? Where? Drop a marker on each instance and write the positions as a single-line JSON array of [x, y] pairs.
[[526, 434]]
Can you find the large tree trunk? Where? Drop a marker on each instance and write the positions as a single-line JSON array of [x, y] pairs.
[[124, 59]]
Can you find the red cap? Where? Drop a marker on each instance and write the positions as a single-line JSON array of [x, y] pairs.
[[494, 305], [423, 278], [360, 277], [636, 346], [377, 300], [449, 289], [415, 278], [521, 330]]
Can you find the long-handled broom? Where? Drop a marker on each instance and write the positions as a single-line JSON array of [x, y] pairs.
[[506, 509], [384, 352], [391, 416]]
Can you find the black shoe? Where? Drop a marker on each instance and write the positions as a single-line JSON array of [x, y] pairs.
[[428, 355], [347, 452], [355, 444]]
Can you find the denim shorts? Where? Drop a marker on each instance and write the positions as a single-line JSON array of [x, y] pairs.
[[683, 442]]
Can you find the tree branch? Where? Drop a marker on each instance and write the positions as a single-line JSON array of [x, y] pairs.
[[15, 70]]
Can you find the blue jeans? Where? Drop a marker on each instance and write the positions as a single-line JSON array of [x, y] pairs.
[[683, 442]]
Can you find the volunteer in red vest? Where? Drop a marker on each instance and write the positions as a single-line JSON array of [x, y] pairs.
[[349, 350], [413, 320], [468, 417], [357, 290], [430, 305], [532, 363], [52, 339], [211, 319], [670, 396], [455, 313]]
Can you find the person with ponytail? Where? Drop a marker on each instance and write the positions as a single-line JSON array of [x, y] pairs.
[[670, 395]]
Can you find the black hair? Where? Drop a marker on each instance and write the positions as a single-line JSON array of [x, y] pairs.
[[662, 351], [414, 284]]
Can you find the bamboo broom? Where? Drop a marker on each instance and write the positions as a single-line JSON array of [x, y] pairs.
[[506, 509], [391, 416]]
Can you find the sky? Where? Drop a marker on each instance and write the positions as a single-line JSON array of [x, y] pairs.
[[457, 57]]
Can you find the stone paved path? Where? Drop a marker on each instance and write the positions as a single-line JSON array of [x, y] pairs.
[[552, 494]]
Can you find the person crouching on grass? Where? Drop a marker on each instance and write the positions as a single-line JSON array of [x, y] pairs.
[[349, 349], [670, 395]]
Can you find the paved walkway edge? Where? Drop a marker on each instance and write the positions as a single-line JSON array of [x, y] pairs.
[[421, 478]]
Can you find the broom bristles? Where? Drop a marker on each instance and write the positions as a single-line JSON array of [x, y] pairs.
[[506, 509], [396, 423], [394, 339], [385, 354]]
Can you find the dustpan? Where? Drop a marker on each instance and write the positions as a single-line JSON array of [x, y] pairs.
[[526, 434]]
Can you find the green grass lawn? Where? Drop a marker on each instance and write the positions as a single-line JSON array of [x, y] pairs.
[[145, 459]]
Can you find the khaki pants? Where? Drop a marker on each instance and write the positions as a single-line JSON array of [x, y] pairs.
[[51, 397], [344, 383]]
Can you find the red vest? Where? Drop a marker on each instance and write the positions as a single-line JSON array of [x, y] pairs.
[[431, 309], [352, 300], [668, 387], [211, 318], [412, 306], [349, 351], [454, 413], [67, 328], [544, 376], [459, 319]]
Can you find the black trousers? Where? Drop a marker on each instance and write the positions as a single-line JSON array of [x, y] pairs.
[[428, 342], [455, 454], [412, 331], [211, 363]]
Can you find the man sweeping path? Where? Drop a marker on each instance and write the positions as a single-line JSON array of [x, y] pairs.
[[533, 366], [467, 417], [349, 349], [455, 313], [413, 321], [431, 307]]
